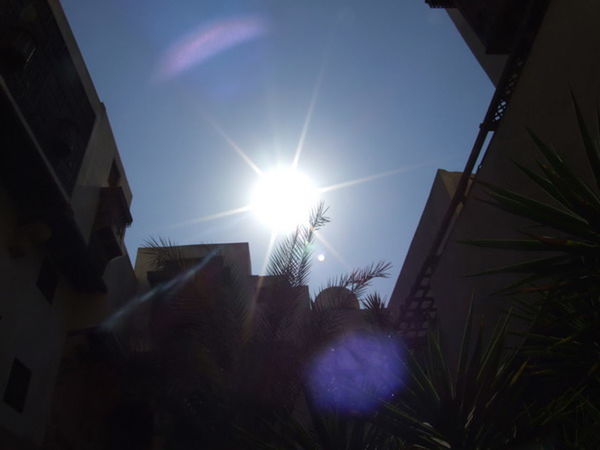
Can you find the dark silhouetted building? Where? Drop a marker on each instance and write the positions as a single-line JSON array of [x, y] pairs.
[[64, 207], [535, 52]]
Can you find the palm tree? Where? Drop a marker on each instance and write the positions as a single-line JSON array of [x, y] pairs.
[[479, 406], [559, 294], [219, 361]]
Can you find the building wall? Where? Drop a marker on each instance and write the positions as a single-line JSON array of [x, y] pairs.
[[94, 173], [34, 329], [565, 55], [236, 255], [442, 190]]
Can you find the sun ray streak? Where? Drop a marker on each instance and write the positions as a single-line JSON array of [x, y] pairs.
[[260, 279], [376, 176], [314, 97], [231, 143], [170, 287], [333, 251], [268, 252], [309, 113], [220, 215]]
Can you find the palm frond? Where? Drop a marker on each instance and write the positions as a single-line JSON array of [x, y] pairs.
[[359, 280], [478, 406], [377, 314], [164, 252], [291, 258], [571, 229], [559, 295]]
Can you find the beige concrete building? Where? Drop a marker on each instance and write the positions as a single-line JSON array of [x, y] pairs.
[[535, 52], [221, 265], [64, 207]]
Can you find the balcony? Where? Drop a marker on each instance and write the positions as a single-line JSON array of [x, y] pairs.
[[103, 247], [112, 217], [497, 23], [113, 209], [440, 3]]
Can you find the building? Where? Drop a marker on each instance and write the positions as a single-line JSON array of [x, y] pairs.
[[535, 52], [191, 271], [64, 208]]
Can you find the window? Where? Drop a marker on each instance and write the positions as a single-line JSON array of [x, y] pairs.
[[17, 386], [47, 280]]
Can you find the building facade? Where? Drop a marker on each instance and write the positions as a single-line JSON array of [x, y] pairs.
[[187, 271], [540, 52], [64, 208]]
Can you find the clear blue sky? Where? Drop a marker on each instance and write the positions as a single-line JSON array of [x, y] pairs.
[[399, 88]]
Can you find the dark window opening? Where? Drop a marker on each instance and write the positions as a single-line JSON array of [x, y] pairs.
[[17, 47], [66, 140], [17, 386], [47, 280]]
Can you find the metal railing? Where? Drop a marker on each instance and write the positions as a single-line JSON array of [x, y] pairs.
[[440, 3], [418, 309]]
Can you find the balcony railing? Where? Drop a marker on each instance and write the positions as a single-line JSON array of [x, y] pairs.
[[418, 310], [113, 209], [440, 3]]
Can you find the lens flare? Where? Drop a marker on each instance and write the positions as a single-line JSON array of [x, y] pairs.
[[283, 199], [208, 41], [356, 373], [164, 289]]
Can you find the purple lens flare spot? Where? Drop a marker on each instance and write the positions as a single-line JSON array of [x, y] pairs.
[[208, 41], [357, 372]]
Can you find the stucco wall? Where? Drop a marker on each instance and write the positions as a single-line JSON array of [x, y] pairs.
[[94, 173], [31, 329], [565, 55], [442, 190]]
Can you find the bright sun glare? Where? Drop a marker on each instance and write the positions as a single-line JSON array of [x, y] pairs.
[[282, 199]]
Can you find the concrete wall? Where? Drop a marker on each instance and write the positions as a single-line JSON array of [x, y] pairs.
[[101, 150], [93, 175], [442, 190], [566, 54], [236, 255], [33, 329]]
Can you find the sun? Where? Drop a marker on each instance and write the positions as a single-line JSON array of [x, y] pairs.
[[283, 198]]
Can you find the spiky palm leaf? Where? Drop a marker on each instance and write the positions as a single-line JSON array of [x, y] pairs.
[[478, 406], [290, 258], [360, 279], [377, 314], [559, 294], [236, 356], [324, 430], [571, 226], [165, 253]]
